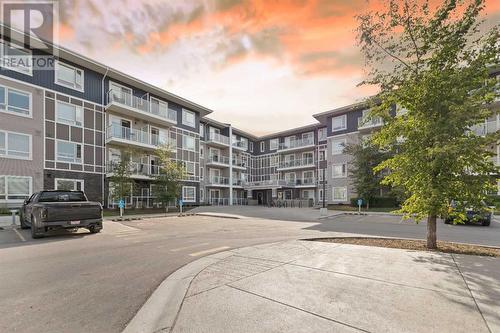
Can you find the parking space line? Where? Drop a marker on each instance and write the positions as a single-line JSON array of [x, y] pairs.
[[196, 254], [188, 247], [21, 237]]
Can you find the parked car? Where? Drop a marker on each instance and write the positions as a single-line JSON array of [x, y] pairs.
[[472, 216], [49, 210]]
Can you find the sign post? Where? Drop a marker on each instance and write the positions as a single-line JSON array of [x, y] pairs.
[[360, 202], [121, 205], [180, 206]]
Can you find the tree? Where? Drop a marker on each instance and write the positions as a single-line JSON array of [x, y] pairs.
[[434, 65], [366, 181], [167, 182], [121, 184]]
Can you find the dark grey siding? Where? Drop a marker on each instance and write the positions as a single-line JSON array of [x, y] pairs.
[[92, 182], [352, 123]]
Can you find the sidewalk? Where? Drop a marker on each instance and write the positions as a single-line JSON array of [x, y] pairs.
[[305, 286]]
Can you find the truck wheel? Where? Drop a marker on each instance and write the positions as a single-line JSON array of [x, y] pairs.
[[34, 233], [485, 223], [22, 221], [94, 230]]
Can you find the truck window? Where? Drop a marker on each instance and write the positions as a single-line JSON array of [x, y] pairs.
[[61, 196]]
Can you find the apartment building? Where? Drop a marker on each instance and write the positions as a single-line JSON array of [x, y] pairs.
[[69, 126]]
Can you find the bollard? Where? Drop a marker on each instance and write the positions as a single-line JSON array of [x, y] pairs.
[[13, 211]]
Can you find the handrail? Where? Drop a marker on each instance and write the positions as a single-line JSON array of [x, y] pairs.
[[217, 137], [298, 143]]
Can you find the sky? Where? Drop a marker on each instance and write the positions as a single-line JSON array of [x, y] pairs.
[[261, 65]]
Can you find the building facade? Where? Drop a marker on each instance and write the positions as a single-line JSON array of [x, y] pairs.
[[68, 127]]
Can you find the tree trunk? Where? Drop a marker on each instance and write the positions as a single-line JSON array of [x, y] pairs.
[[166, 209], [431, 232]]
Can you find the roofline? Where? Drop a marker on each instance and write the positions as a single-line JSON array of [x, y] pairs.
[[101, 68]]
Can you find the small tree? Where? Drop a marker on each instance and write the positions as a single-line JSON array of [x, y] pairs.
[[121, 184], [167, 182], [434, 65], [365, 157]]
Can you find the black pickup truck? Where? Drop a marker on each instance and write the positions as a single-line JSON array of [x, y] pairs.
[[49, 210]]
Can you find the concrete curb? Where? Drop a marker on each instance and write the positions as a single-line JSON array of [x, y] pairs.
[[221, 215], [160, 311]]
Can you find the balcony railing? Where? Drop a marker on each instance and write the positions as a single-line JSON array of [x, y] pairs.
[[300, 182], [218, 138], [239, 182], [261, 183], [486, 127], [293, 144], [217, 180], [241, 145], [239, 162], [366, 122], [297, 163], [141, 104], [225, 201], [139, 136], [136, 169], [219, 159]]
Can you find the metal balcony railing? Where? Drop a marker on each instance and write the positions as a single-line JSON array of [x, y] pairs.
[[366, 122], [297, 143], [153, 107], [239, 162], [129, 134], [241, 145], [297, 163], [219, 159], [217, 180], [136, 169], [219, 138], [300, 182]]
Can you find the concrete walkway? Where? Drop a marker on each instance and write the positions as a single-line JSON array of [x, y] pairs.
[[305, 286]]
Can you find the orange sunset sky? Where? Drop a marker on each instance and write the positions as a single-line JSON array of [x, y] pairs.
[[263, 66]]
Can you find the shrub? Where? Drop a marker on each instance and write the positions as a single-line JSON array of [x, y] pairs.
[[378, 202]]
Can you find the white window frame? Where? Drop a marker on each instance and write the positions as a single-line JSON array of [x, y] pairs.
[[344, 117], [75, 181], [322, 136], [185, 121], [344, 189], [202, 172], [202, 130], [188, 199], [193, 164], [251, 147], [262, 146], [322, 155], [343, 170], [30, 142], [6, 189], [57, 81], [335, 152], [29, 53], [75, 161], [184, 145], [78, 110], [202, 194], [273, 144], [14, 113]]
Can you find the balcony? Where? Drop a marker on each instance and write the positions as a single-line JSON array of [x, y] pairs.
[[303, 182], [297, 164], [136, 107], [296, 144], [365, 122], [239, 163], [218, 160], [218, 181], [240, 145], [264, 184], [137, 170], [487, 127], [238, 182], [125, 136], [218, 140]]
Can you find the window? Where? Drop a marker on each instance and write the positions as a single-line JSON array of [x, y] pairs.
[[320, 197], [69, 76], [262, 146], [69, 184], [202, 195], [339, 123], [202, 130], [119, 94], [69, 152], [322, 155], [339, 170], [15, 145], [15, 101], [307, 158], [158, 107], [202, 152], [338, 146], [188, 118], [322, 134], [251, 147], [189, 167], [69, 114], [339, 194], [201, 172], [188, 142], [273, 144], [189, 194], [16, 58], [15, 187]]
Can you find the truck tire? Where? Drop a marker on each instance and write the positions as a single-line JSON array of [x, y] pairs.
[[94, 229], [34, 232], [22, 221], [486, 223]]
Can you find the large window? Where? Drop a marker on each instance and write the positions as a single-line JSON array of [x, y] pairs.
[[15, 101], [69, 152], [69, 114], [190, 168], [15, 187], [262, 146], [69, 76], [273, 144], [15, 145], [69, 184], [16, 59], [339, 194], [189, 194], [322, 134], [339, 170], [188, 142], [338, 146], [339, 123], [188, 118]]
